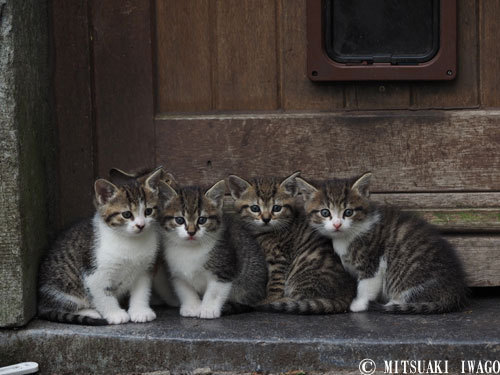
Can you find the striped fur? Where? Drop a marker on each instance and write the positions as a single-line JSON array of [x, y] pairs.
[[70, 318], [216, 266], [305, 276], [403, 265], [101, 259]]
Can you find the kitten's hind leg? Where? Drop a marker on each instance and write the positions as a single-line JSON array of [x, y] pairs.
[[91, 313], [368, 290]]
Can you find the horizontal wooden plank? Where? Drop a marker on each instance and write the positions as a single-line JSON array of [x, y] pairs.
[[480, 256], [408, 152]]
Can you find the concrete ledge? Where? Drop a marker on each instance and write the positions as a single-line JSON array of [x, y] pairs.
[[258, 341]]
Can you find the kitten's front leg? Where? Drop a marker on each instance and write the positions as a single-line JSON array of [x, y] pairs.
[[215, 296], [104, 300], [190, 301], [139, 309], [368, 290]]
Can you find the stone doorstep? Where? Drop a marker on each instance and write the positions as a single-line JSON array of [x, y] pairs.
[[261, 342]]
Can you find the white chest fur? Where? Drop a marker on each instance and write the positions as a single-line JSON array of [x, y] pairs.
[[187, 261], [122, 259]]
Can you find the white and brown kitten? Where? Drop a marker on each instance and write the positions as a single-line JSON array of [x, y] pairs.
[[214, 263], [398, 258], [98, 261]]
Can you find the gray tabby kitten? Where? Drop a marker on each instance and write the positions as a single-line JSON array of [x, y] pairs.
[[398, 258], [305, 275], [215, 264], [98, 261]]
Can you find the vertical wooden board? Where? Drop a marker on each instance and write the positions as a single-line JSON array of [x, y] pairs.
[[73, 109], [183, 56], [123, 84], [489, 52], [247, 65], [462, 92], [298, 92], [377, 95]]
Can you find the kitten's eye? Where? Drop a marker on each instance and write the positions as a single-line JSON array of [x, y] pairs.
[[276, 208], [324, 212], [255, 208], [127, 214], [348, 212], [179, 220], [202, 220], [148, 211]]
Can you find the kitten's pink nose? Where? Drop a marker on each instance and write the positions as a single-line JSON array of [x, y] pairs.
[[141, 227], [337, 225]]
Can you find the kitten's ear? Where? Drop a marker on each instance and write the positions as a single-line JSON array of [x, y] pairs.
[[169, 179], [154, 179], [237, 186], [290, 184], [216, 193], [305, 188], [362, 185], [166, 191], [120, 177], [104, 190]]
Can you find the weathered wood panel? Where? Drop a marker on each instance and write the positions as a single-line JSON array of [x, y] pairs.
[[462, 92], [123, 84], [376, 95], [298, 92], [407, 151], [247, 65], [480, 256], [184, 45], [490, 57], [73, 109]]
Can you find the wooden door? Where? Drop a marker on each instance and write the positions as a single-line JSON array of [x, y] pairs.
[[207, 88]]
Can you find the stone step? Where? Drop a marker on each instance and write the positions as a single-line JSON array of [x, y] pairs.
[[261, 342]]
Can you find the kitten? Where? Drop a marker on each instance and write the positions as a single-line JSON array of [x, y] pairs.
[[209, 254], [162, 288], [396, 257], [102, 259], [305, 275]]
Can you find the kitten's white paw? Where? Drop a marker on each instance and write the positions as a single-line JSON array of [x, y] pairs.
[[359, 305], [210, 312], [117, 317], [90, 313], [191, 310], [141, 315]]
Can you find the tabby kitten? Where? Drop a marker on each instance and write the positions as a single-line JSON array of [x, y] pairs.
[[215, 264], [305, 276], [101, 259], [397, 258]]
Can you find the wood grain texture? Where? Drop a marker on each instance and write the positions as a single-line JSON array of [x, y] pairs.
[[73, 109], [247, 65], [123, 84], [378, 95], [462, 92], [407, 151], [480, 256], [489, 47], [183, 45], [298, 92]]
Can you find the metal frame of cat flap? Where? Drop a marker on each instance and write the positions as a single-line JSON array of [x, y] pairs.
[[360, 40]]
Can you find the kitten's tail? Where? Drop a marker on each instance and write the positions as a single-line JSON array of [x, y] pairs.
[[71, 318], [418, 307], [309, 306]]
